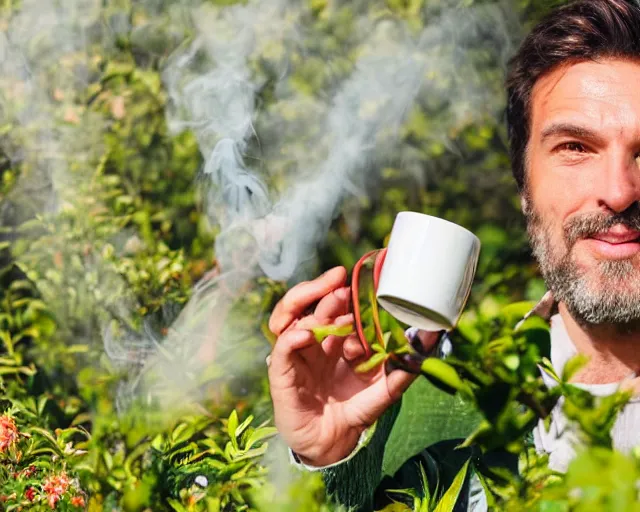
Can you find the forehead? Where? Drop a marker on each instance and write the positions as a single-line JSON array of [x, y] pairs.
[[604, 94]]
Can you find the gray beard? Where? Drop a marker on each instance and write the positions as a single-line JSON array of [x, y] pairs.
[[607, 294]]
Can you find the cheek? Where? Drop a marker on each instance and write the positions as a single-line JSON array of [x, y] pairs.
[[557, 194], [548, 206]]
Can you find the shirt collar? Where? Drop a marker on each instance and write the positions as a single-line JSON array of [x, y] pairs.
[[562, 347], [545, 308]]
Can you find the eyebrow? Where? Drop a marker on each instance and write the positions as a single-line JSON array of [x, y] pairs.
[[569, 130]]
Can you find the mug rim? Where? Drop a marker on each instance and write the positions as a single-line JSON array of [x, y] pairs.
[[409, 213]]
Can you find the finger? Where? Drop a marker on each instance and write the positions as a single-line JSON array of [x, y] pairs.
[[303, 295], [309, 322], [352, 349], [334, 304], [343, 319], [287, 355], [372, 402], [397, 382], [332, 346], [424, 341], [289, 343]]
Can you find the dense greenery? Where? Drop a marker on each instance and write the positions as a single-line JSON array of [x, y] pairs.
[[100, 211]]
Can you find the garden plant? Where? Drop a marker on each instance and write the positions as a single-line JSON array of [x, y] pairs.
[[105, 217]]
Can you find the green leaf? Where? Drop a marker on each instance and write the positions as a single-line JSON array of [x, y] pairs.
[[514, 313], [396, 507], [5, 337], [448, 501], [442, 372], [158, 443], [573, 366], [251, 454], [425, 485], [483, 428], [176, 505], [242, 427], [182, 433], [24, 370], [260, 434], [468, 327], [374, 361], [232, 425], [545, 364], [324, 331], [427, 416], [511, 361]]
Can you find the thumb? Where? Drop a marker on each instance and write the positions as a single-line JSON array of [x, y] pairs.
[[373, 401]]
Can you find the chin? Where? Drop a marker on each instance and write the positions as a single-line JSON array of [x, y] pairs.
[[616, 280], [602, 299], [589, 263]]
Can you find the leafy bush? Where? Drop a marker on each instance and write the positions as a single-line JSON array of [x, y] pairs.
[[131, 238]]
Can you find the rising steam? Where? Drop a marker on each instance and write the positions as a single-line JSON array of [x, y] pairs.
[[276, 173], [333, 142]]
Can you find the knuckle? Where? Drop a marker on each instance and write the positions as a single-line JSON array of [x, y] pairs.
[[284, 342], [272, 325], [275, 323], [292, 297]]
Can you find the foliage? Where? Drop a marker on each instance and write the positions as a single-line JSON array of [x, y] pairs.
[[424, 501], [35, 464], [132, 233]]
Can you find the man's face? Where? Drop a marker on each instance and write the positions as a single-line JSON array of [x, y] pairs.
[[583, 188]]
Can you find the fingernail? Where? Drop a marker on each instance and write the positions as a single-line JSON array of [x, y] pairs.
[[342, 293], [344, 319]]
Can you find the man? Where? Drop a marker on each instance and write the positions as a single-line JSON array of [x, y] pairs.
[[574, 129]]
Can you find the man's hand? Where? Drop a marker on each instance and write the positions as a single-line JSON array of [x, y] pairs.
[[321, 404]]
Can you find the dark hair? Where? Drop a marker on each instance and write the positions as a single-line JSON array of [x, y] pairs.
[[580, 31]]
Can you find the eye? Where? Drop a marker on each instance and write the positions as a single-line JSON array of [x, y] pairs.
[[573, 147]]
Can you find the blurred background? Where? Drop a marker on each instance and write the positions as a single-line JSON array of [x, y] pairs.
[[169, 168]]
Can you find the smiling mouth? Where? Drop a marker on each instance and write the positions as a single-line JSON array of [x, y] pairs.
[[618, 242], [618, 235]]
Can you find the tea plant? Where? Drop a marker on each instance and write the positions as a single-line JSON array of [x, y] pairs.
[[131, 232]]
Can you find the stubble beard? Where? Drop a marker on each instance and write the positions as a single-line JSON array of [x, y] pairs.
[[607, 293]]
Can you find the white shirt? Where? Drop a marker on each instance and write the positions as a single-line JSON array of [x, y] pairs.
[[561, 439]]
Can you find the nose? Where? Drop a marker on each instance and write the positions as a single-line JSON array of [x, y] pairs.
[[621, 187]]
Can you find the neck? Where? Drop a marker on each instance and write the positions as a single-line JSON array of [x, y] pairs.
[[612, 349]]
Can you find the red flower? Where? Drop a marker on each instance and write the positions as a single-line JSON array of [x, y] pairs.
[[77, 501], [53, 500], [8, 432], [55, 486], [30, 493], [27, 472]]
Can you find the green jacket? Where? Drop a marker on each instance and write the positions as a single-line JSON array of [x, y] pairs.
[[391, 459], [394, 449]]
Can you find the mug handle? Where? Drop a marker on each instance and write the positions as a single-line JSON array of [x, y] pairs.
[[379, 255]]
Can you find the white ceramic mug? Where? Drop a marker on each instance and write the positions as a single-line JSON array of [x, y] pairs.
[[428, 271]]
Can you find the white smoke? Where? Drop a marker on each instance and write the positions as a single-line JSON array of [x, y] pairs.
[[349, 129], [280, 155], [276, 171], [277, 175], [33, 67]]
